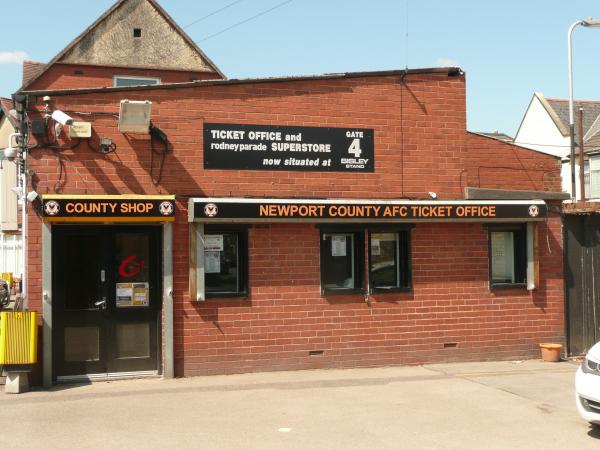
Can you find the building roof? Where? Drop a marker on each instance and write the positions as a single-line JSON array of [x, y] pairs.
[[496, 135], [558, 110], [591, 111], [31, 70], [6, 105], [449, 71], [78, 51]]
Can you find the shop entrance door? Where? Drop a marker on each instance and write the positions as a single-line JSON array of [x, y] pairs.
[[106, 290]]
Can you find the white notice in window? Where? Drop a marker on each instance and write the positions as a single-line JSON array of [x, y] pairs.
[[212, 262], [338, 245], [375, 247], [213, 243], [502, 257]]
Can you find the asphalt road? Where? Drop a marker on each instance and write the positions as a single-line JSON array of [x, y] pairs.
[[499, 405]]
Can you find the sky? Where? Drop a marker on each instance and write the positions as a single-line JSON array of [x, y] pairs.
[[509, 49]]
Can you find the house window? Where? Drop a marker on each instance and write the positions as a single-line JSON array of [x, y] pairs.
[[125, 81], [225, 262], [594, 176], [389, 260], [586, 178], [508, 255], [342, 261], [137, 32]]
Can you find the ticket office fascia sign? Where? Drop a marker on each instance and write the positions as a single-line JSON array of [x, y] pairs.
[[108, 208], [276, 210], [266, 147]]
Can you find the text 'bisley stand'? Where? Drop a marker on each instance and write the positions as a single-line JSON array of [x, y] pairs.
[[18, 348]]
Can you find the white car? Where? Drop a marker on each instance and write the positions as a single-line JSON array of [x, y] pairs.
[[587, 387]]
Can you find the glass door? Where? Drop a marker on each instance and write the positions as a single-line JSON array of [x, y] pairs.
[[107, 299]]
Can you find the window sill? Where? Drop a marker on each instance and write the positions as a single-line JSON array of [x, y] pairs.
[[345, 291], [236, 295], [380, 290], [508, 285]]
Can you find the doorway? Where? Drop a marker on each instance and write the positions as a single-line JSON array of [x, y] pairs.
[[106, 284]]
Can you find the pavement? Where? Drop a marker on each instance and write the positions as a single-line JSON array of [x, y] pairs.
[[489, 405]]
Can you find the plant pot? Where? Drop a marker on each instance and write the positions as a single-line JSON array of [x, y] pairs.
[[551, 352]]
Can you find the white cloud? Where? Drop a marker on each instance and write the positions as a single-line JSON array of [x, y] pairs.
[[446, 62], [15, 57]]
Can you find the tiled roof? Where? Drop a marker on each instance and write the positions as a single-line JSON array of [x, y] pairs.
[[31, 70], [591, 111]]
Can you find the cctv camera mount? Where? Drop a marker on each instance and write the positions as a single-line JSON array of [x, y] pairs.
[[61, 117]]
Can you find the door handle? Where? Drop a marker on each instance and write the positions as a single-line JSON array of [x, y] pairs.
[[101, 303]]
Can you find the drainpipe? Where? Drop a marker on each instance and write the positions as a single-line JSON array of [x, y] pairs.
[[581, 159]]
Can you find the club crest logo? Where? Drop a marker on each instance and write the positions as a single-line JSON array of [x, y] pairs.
[[534, 211], [166, 208], [210, 210], [51, 208]]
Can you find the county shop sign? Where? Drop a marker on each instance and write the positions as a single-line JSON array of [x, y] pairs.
[[266, 147], [108, 208], [277, 210]]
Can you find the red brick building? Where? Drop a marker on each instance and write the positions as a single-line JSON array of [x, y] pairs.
[[243, 281]]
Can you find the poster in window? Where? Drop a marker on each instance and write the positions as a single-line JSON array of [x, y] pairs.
[[213, 243], [212, 262], [375, 247], [338, 245], [132, 294], [502, 257]]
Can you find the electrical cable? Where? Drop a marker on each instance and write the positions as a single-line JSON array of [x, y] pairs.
[[279, 5], [213, 13]]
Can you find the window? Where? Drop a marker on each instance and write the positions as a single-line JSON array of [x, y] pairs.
[[508, 255], [389, 260], [342, 261], [594, 176], [137, 32], [124, 81], [586, 178], [225, 262]]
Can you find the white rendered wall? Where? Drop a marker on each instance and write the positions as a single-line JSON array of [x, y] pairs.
[[539, 132]]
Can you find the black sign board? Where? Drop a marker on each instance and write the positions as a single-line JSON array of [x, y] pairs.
[[207, 210], [261, 147], [108, 208]]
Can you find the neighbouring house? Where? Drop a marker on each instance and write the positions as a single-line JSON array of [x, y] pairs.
[[343, 220], [135, 42], [10, 235], [545, 128]]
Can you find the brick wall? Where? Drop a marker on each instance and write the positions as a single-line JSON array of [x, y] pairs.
[[76, 76], [450, 303], [497, 165], [421, 146]]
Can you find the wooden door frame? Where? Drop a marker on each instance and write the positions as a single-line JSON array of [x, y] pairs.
[[167, 353]]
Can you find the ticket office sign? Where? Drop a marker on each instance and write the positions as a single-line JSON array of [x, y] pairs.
[[261, 147], [207, 210]]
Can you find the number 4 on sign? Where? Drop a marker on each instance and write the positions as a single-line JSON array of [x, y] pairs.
[[354, 148]]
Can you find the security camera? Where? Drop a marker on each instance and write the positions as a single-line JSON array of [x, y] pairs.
[[10, 153], [32, 196], [62, 118], [432, 195], [46, 99]]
